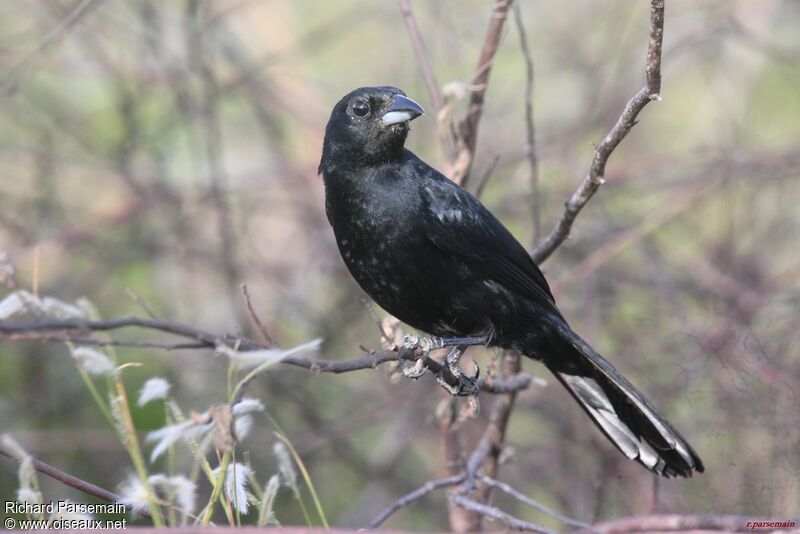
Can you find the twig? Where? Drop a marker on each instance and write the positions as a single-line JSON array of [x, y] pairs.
[[468, 128], [674, 207], [14, 71], [209, 101], [62, 337], [423, 58], [421, 53], [530, 125], [412, 497], [76, 330], [71, 481], [486, 176], [487, 452], [142, 304], [499, 515], [595, 178], [502, 486], [254, 316]]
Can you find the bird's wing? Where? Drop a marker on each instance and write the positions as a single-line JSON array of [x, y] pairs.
[[457, 223]]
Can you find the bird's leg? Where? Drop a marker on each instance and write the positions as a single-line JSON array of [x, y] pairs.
[[428, 344], [466, 385]]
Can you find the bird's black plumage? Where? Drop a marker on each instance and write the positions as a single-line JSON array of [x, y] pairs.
[[432, 255]]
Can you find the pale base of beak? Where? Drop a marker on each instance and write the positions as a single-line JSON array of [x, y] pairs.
[[395, 117]]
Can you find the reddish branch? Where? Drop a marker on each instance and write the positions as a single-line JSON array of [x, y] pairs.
[[485, 457], [595, 178], [71, 481], [530, 125], [421, 53], [468, 128]]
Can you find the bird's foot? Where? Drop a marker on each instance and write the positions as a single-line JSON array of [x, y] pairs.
[[428, 344], [416, 371], [423, 344], [465, 385]]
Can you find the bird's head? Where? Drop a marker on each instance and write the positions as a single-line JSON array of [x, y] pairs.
[[367, 127]]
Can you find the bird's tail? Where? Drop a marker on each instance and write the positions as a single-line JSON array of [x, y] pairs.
[[624, 415]]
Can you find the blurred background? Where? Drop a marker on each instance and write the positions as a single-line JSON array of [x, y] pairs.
[[169, 149]]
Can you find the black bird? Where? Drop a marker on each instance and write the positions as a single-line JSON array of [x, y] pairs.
[[432, 255]]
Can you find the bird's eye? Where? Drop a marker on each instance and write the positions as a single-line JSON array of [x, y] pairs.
[[360, 108]]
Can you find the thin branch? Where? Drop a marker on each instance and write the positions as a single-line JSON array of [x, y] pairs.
[[15, 71], [413, 497], [70, 480], [487, 451], [256, 320], [502, 486], [499, 515], [485, 178], [530, 125], [142, 304], [78, 330], [421, 53], [197, 42], [468, 128], [423, 58], [627, 120], [62, 337], [673, 207]]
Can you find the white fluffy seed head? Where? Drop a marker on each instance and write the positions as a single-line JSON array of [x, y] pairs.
[[286, 465], [178, 489], [236, 486], [133, 494], [155, 388], [94, 361]]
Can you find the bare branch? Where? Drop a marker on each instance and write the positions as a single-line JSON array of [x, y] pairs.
[[530, 125], [256, 320], [490, 445], [485, 178], [502, 486], [70, 480], [674, 207], [595, 178], [413, 497], [15, 71], [423, 58], [499, 515], [421, 53], [197, 42], [79, 331], [468, 128]]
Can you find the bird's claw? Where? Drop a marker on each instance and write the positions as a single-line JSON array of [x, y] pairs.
[[465, 386], [416, 371]]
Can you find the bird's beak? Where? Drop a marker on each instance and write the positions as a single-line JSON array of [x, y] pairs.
[[402, 109]]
